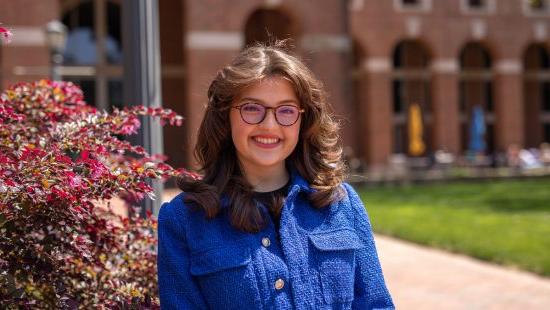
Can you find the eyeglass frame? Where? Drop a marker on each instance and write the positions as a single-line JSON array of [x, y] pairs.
[[300, 111]]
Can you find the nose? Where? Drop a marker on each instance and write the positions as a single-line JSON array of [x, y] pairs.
[[269, 120]]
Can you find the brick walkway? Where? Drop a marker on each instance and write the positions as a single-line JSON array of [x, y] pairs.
[[425, 278]]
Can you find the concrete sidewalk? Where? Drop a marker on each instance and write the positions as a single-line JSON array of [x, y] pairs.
[[423, 278]]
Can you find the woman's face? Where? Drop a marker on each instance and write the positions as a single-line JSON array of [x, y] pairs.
[[266, 144]]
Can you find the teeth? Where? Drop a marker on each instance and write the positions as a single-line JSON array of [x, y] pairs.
[[266, 140]]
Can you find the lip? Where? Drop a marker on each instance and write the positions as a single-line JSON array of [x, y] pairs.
[[266, 145]]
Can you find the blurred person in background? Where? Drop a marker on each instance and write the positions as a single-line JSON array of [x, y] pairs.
[[529, 159], [512, 155], [545, 153]]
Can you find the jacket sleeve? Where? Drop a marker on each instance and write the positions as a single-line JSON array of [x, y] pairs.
[[177, 288], [370, 287]]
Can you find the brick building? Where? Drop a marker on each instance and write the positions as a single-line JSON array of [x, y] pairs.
[[377, 58]]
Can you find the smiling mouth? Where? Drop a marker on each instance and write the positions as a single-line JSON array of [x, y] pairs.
[[267, 141]]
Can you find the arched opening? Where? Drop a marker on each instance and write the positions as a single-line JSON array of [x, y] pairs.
[[412, 106], [264, 25], [536, 62], [476, 97], [93, 52]]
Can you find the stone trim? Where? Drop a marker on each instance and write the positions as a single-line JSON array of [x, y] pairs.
[[378, 65], [445, 65], [413, 26], [540, 31], [356, 5], [508, 66], [215, 40], [478, 28], [324, 42], [272, 3], [27, 36]]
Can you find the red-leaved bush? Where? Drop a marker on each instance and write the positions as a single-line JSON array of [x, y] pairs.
[[5, 34], [59, 159]]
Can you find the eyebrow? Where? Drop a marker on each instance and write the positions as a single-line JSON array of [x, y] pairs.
[[261, 101]]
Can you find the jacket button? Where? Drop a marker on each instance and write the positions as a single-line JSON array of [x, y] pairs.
[[266, 242], [279, 284]]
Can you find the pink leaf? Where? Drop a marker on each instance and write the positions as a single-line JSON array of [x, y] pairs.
[[6, 34]]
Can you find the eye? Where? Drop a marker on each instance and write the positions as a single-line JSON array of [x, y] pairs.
[[287, 110], [251, 107]]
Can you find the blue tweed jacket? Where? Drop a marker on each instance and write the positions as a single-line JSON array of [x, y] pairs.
[[319, 259]]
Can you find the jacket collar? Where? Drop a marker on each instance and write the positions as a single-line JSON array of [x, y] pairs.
[[297, 184]]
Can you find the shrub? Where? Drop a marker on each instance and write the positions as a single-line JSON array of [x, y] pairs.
[[59, 158], [5, 34]]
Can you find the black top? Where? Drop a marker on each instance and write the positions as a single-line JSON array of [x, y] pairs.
[[268, 199]]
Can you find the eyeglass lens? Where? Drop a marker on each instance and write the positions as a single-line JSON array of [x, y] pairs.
[[254, 113]]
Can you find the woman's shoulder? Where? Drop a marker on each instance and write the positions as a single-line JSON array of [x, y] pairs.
[[173, 210], [351, 198], [349, 191]]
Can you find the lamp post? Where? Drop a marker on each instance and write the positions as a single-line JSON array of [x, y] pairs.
[[142, 83], [56, 34]]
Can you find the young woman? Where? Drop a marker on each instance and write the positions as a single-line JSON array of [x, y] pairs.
[[271, 225]]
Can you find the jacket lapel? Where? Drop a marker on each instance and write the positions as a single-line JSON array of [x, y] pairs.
[[292, 242]]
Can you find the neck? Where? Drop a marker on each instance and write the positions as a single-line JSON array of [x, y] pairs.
[[266, 179]]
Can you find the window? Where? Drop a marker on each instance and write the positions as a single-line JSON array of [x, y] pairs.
[[536, 7], [536, 94], [93, 52], [545, 95], [412, 5], [478, 6], [397, 98], [411, 87], [476, 3], [476, 89]]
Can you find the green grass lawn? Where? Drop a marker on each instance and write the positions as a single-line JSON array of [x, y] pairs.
[[507, 222]]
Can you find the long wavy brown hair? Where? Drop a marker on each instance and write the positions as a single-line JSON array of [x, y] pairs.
[[317, 156]]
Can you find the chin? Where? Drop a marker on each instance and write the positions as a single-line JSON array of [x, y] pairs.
[[267, 163]]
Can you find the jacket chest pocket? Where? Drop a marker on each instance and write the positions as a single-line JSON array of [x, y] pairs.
[[226, 277], [335, 258]]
